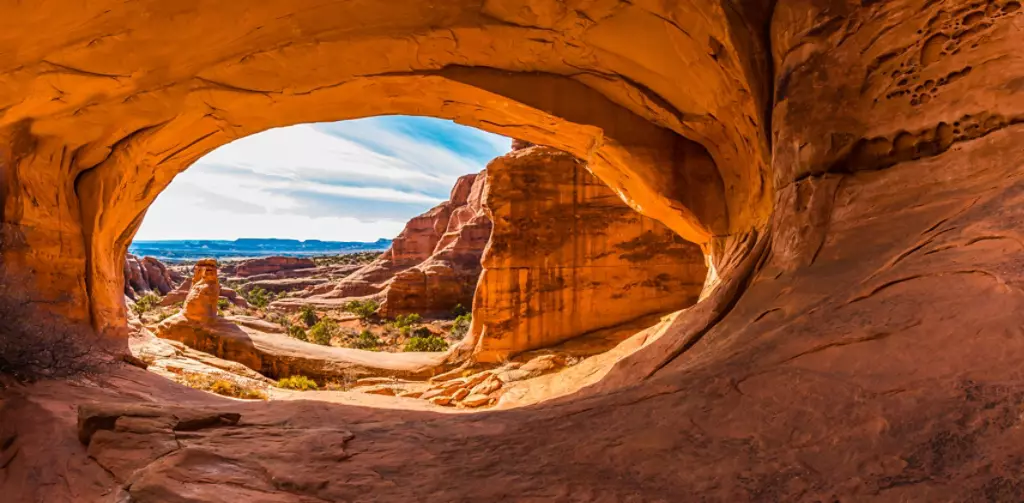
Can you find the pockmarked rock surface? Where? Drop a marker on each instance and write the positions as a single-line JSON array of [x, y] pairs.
[[431, 267], [568, 257], [863, 209]]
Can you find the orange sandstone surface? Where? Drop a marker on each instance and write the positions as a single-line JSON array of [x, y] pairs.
[[568, 257], [851, 168]]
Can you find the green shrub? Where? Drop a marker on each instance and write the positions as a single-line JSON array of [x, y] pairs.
[[429, 343], [258, 298], [459, 311], [366, 340], [362, 308], [461, 326], [212, 384], [404, 323], [301, 383], [407, 320], [146, 303], [323, 331], [308, 316], [298, 333], [223, 304]]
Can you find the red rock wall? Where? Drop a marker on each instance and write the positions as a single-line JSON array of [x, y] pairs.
[[448, 277], [432, 265], [147, 274], [568, 257]]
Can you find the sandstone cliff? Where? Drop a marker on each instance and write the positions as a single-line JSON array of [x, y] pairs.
[[568, 257], [432, 265], [852, 168], [147, 274]]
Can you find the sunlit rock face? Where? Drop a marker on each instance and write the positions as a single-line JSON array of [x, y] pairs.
[[864, 339], [448, 277], [568, 257], [148, 275], [429, 269], [665, 102]]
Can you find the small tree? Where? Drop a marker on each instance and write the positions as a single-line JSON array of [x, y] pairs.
[[405, 322], [223, 304], [308, 315], [146, 303], [429, 343], [459, 311], [363, 308], [461, 326], [323, 332], [258, 298], [298, 333], [366, 340]]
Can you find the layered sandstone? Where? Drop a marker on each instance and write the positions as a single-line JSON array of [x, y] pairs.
[[853, 168], [431, 267], [568, 257], [267, 265], [147, 274]]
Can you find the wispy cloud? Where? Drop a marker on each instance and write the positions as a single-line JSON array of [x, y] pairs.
[[352, 180]]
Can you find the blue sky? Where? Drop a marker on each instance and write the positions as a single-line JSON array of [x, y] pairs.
[[355, 180]]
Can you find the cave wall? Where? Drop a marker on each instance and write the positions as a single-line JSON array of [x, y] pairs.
[[864, 343], [104, 103], [568, 257]]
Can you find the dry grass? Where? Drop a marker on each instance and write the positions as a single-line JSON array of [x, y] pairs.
[[219, 385]]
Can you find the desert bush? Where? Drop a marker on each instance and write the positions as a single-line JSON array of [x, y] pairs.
[[301, 383], [220, 386], [459, 310], [223, 304], [308, 315], [429, 343], [362, 308], [323, 331], [407, 320], [461, 326], [366, 340], [404, 322], [298, 333], [146, 303], [258, 298]]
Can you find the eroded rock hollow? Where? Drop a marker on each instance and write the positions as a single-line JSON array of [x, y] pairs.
[[851, 168]]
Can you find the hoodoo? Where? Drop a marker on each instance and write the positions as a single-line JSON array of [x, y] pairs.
[[852, 172]]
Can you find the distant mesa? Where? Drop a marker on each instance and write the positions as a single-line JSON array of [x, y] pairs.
[[193, 249]]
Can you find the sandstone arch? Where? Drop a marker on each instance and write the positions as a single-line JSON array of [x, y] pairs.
[[864, 344], [114, 131]]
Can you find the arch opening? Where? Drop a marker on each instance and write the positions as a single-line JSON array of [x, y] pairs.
[[579, 245]]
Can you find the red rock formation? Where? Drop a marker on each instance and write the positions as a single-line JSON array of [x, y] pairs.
[[863, 210], [267, 265], [432, 265], [568, 257], [248, 341], [146, 275]]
